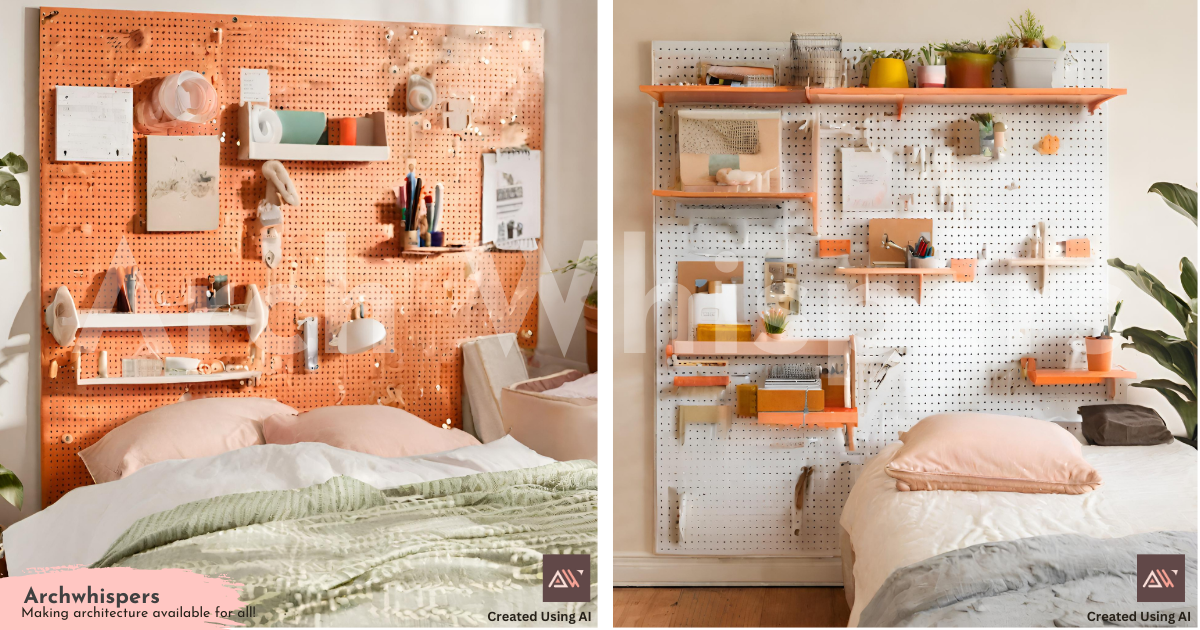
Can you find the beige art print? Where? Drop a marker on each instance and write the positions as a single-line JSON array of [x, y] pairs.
[[182, 183]]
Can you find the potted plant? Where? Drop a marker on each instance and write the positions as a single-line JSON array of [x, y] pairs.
[[775, 322], [10, 188], [1030, 62], [931, 73], [1177, 354], [591, 310], [885, 70], [969, 64], [1099, 349], [987, 134]]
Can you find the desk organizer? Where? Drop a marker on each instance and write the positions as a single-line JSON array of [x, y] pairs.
[[338, 244], [963, 340]]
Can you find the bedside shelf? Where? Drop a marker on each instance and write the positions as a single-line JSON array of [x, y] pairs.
[[165, 380], [866, 272], [1073, 377]]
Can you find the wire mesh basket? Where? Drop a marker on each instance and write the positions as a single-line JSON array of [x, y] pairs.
[[816, 59]]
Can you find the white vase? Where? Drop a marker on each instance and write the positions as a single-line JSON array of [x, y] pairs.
[[931, 76]]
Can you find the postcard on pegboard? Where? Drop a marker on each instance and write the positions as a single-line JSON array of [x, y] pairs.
[[512, 199]]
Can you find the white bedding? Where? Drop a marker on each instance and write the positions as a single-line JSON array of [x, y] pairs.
[[587, 386], [80, 527], [1146, 488]]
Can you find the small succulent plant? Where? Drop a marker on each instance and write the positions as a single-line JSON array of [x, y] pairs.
[[775, 320]]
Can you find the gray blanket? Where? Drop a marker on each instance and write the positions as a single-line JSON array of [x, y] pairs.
[[1061, 580]]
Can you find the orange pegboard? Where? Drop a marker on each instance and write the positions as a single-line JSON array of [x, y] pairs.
[[339, 244]]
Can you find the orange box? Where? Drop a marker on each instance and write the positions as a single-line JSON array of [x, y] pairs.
[[747, 400], [781, 399], [816, 400], [723, 332], [964, 269], [828, 248], [1078, 248]]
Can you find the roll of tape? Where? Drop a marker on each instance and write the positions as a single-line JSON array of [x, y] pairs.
[[265, 126]]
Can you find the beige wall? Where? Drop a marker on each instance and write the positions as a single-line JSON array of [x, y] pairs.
[[1152, 134]]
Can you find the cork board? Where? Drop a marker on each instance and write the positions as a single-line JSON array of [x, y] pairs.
[[338, 245]]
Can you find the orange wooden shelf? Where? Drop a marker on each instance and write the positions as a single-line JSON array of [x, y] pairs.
[[1073, 377], [866, 272], [801, 347], [701, 381], [1092, 98], [741, 197], [831, 418]]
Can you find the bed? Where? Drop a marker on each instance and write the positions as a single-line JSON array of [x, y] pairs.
[[1147, 490], [442, 538]]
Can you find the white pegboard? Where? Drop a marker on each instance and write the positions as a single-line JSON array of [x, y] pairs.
[[962, 342]]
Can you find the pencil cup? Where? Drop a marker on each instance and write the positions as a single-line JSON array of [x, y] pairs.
[[412, 239], [436, 239]]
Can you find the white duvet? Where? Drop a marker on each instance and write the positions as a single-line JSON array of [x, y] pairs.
[[1146, 488], [80, 527]]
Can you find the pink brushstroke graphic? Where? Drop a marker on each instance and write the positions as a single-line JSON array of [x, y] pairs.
[[119, 598]]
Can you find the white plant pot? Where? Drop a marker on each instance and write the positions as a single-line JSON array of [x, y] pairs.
[[931, 76], [1035, 68], [928, 263]]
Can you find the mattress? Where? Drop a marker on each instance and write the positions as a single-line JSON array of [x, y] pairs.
[[1146, 488], [53, 538]]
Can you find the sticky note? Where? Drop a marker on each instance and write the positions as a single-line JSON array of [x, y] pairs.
[[256, 86]]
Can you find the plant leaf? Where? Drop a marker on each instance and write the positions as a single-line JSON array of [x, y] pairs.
[[1173, 353], [10, 190], [1185, 408], [1181, 198], [15, 163], [11, 489], [1162, 383], [1177, 306], [1187, 277]]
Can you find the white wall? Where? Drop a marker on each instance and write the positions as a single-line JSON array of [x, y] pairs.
[[570, 158], [1152, 135]]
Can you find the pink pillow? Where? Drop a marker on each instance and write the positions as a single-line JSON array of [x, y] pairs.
[[371, 429], [195, 428], [986, 452]]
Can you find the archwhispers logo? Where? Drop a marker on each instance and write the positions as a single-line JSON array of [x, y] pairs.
[[1160, 577], [566, 578]]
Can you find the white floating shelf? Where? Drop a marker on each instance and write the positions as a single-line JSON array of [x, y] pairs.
[[377, 151], [163, 380], [64, 320], [1049, 262]]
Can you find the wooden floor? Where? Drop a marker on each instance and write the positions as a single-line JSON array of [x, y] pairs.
[[730, 607]]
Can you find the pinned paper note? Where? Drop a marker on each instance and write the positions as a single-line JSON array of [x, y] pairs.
[[94, 124], [256, 86]]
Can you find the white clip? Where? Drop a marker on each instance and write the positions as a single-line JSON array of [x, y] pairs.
[[1013, 186]]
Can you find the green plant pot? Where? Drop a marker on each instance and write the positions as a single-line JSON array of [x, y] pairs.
[[969, 70]]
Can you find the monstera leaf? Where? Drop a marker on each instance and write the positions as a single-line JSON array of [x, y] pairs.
[[11, 489], [1181, 198]]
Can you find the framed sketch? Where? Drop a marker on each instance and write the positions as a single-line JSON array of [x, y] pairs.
[[183, 183]]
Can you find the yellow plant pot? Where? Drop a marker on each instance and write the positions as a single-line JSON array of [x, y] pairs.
[[888, 73]]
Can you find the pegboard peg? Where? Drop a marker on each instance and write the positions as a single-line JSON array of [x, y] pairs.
[[67, 438]]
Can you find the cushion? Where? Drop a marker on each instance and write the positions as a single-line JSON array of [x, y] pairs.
[[370, 429], [1124, 425], [986, 452], [562, 427], [194, 428], [490, 364]]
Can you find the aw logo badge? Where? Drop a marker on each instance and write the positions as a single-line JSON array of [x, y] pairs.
[[1160, 578], [566, 578]]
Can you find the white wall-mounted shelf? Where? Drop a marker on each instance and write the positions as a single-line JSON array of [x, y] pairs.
[[64, 320], [377, 151], [251, 376]]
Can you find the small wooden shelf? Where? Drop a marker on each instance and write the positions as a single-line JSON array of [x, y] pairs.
[[830, 418], [799, 347], [1042, 264], [1072, 377], [165, 380], [378, 151], [866, 272], [430, 251], [731, 197], [1091, 98]]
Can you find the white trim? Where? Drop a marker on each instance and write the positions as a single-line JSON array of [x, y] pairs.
[[651, 570]]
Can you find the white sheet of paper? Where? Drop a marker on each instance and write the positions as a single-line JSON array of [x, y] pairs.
[[866, 180], [512, 199], [256, 86], [93, 124]]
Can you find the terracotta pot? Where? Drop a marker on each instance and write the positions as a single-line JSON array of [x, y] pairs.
[[591, 323], [1099, 354], [776, 336], [931, 76], [888, 73], [969, 70]]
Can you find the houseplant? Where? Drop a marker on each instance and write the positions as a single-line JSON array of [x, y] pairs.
[[1177, 354], [1029, 62], [886, 70], [10, 188], [1099, 348], [591, 316], [969, 64], [775, 322], [987, 135], [932, 69]]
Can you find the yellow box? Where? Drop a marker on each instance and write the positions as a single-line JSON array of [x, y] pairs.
[[723, 332], [781, 400], [747, 401]]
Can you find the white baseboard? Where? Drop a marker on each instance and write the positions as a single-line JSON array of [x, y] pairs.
[[651, 570]]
